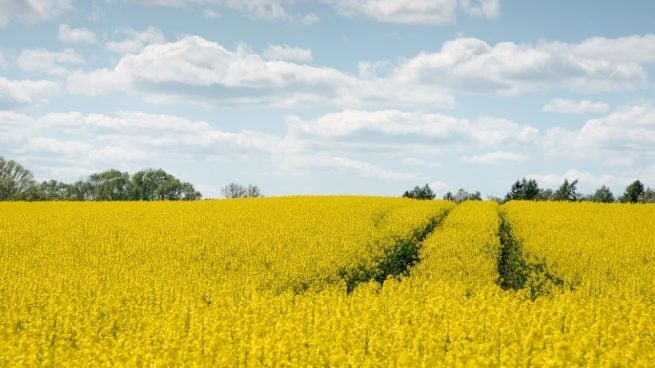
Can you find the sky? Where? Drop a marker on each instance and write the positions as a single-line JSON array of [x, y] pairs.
[[332, 96]]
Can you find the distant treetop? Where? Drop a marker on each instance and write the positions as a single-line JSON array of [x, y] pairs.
[[17, 183]]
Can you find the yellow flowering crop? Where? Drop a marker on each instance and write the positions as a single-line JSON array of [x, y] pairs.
[[264, 282]]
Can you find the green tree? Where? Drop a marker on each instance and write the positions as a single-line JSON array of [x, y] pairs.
[[54, 190], [545, 195], [151, 184], [81, 190], [633, 192], [462, 195], [648, 196], [525, 189], [567, 191], [424, 193], [234, 190], [603, 195], [15, 180], [253, 191], [175, 190], [110, 185]]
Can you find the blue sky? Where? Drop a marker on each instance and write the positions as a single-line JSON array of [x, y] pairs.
[[334, 96]]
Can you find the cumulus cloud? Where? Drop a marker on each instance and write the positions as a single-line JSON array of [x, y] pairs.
[[14, 93], [112, 154], [31, 11], [51, 145], [439, 185], [403, 11], [289, 53], [137, 129], [205, 72], [629, 132], [136, 139], [395, 125], [210, 13], [575, 107], [351, 142], [432, 12], [48, 62], [3, 61], [495, 158], [300, 164], [75, 35], [133, 139], [506, 68], [309, 19], [629, 49], [482, 8], [256, 9], [590, 181], [96, 82], [134, 41], [413, 161], [428, 12]]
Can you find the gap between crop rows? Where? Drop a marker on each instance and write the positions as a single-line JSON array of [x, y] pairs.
[[398, 259], [517, 272]]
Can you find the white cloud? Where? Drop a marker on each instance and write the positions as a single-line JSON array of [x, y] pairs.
[[401, 11], [113, 154], [619, 161], [51, 145], [210, 13], [472, 65], [3, 61], [96, 82], [156, 131], [575, 107], [12, 126], [413, 161], [429, 12], [131, 140], [439, 185], [170, 3], [288, 53], [351, 142], [300, 164], [496, 158], [205, 72], [256, 9], [628, 132], [395, 125], [48, 62], [590, 181], [15, 93], [629, 49], [31, 11], [160, 133], [135, 41], [482, 8], [75, 35], [309, 19]]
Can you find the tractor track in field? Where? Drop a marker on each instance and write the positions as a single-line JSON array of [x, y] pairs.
[[517, 271], [398, 259]]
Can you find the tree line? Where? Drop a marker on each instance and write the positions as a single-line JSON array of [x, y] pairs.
[[425, 192], [17, 183], [529, 190]]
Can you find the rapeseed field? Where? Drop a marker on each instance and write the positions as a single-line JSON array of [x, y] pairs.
[[325, 281]]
